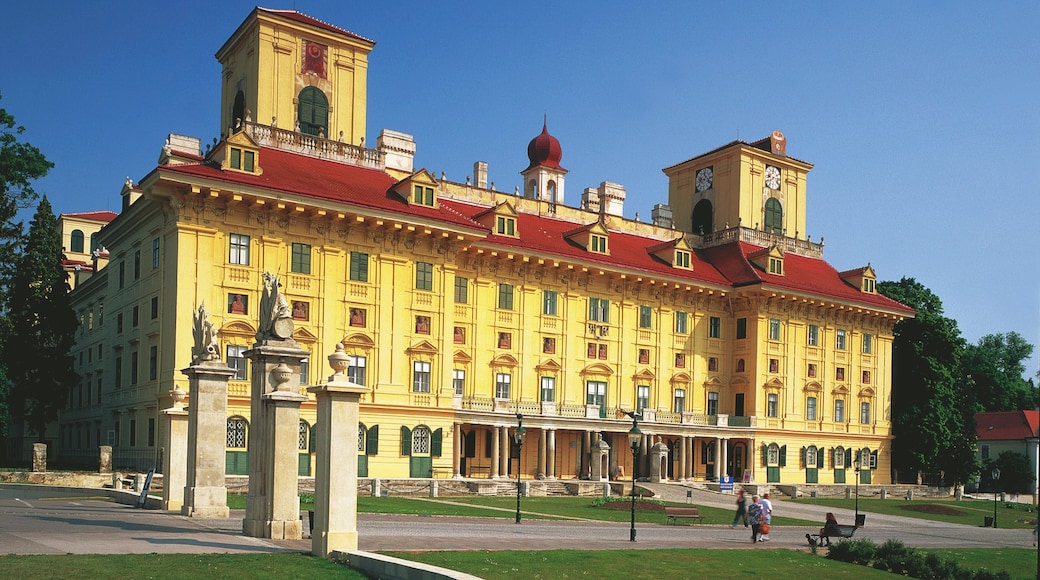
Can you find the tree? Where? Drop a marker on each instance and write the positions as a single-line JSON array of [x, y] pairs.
[[43, 326], [20, 165], [996, 365], [933, 410], [1016, 474]]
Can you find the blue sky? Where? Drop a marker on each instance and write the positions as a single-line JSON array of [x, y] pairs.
[[921, 118]]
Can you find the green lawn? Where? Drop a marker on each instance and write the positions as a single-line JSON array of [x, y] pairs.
[[968, 511], [174, 566]]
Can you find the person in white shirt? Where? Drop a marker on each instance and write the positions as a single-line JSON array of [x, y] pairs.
[[767, 507]]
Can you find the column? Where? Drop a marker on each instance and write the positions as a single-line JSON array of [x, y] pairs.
[[205, 494], [456, 453], [725, 456], [586, 450], [718, 458], [495, 453], [335, 479], [682, 458], [540, 470], [175, 457], [503, 466], [550, 455]]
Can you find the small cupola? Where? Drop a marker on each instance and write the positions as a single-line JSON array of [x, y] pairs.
[[544, 177]]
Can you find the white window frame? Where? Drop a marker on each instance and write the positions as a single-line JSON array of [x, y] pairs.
[[421, 376]]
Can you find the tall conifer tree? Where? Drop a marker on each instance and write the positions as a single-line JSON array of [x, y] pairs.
[[43, 326]]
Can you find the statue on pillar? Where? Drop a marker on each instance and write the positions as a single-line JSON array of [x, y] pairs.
[[206, 348], [275, 317]]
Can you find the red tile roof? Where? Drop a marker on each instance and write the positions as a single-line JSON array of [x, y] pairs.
[[1007, 425], [304, 19], [99, 216]]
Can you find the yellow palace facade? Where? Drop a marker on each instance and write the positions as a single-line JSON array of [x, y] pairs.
[[462, 307]]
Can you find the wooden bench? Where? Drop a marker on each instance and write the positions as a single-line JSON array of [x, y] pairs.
[[674, 513], [824, 537]]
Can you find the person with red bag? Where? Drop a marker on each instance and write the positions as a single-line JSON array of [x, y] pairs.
[[757, 517]]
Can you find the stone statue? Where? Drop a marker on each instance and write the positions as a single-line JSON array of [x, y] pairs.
[[275, 317], [206, 347]]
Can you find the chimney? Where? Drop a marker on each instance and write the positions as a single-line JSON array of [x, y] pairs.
[[480, 174], [612, 195], [661, 215], [398, 150]]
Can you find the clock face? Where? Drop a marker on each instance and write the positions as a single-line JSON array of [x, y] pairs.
[[772, 177], [704, 177]]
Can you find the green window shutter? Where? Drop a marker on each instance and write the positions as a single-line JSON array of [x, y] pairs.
[[783, 456], [310, 439], [765, 455], [470, 441], [873, 459], [406, 440], [372, 440], [848, 459], [487, 443], [435, 442], [803, 457], [832, 457], [819, 459]]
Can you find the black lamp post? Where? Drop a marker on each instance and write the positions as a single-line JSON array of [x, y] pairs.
[[518, 439], [995, 475], [855, 467], [635, 437]]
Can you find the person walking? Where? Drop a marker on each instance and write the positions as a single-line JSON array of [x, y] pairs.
[[741, 514], [756, 516], [767, 511]]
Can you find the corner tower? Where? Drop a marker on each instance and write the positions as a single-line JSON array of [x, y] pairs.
[[287, 69], [753, 185], [543, 178]]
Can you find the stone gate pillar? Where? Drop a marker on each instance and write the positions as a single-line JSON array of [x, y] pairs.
[[658, 457], [173, 436], [205, 492], [600, 460], [335, 480]]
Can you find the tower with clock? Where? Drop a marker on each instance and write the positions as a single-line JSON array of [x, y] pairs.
[[748, 184]]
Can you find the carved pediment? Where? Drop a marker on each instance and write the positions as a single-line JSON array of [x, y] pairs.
[[812, 386], [504, 360], [358, 340], [304, 335], [549, 365], [422, 347], [645, 375], [681, 378], [237, 328], [597, 369], [713, 382], [773, 383], [462, 357]]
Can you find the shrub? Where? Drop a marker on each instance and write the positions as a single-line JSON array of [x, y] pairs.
[[853, 551]]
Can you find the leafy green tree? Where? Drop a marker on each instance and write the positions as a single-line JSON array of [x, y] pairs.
[[20, 165], [43, 326], [996, 365], [1016, 474], [933, 410]]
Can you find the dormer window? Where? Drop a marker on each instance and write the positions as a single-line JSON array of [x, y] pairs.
[[770, 259], [239, 153], [682, 259], [598, 244], [868, 286], [422, 195], [242, 160], [505, 226], [863, 278], [776, 266]]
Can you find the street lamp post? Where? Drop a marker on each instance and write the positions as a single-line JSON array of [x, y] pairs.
[[995, 475], [635, 437], [855, 467], [518, 439]]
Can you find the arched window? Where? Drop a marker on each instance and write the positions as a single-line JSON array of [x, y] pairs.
[[701, 221], [552, 192], [238, 110], [93, 241], [237, 430], [774, 216], [314, 111], [421, 441], [531, 190], [77, 241], [361, 430], [304, 438]]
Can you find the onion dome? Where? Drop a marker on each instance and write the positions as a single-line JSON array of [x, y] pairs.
[[544, 151]]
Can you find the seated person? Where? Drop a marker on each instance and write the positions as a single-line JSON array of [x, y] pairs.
[[830, 528]]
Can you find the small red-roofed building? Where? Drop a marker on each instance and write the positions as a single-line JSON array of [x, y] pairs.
[[1016, 431]]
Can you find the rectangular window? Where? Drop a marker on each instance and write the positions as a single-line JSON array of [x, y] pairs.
[[599, 310], [642, 397], [599, 244], [772, 405], [153, 362], [549, 302], [682, 259], [866, 377], [423, 276], [681, 322], [505, 296], [151, 431], [133, 432], [305, 371], [506, 226], [422, 195], [122, 274], [461, 290], [839, 339], [714, 327], [119, 322], [864, 413], [119, 372], [137, 265], [420, 377], [713, 403], [814, 335], [839, 373], [458, 382], [248, 160], [984, 452], [155, 253], [776, 266], [839, 411], [239, 250], [742, 328], [679, 404], [356, 369], [359, 267], [154, 308], [774, 329], [810, 409], [595, 393], [301, 258], [502, 383], [135, 316], [548, 389], [236, 359], [868, 343], [133, 367], [645, 316], [236, 158]]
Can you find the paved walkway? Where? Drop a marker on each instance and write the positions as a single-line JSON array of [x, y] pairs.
[[42, 522]]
